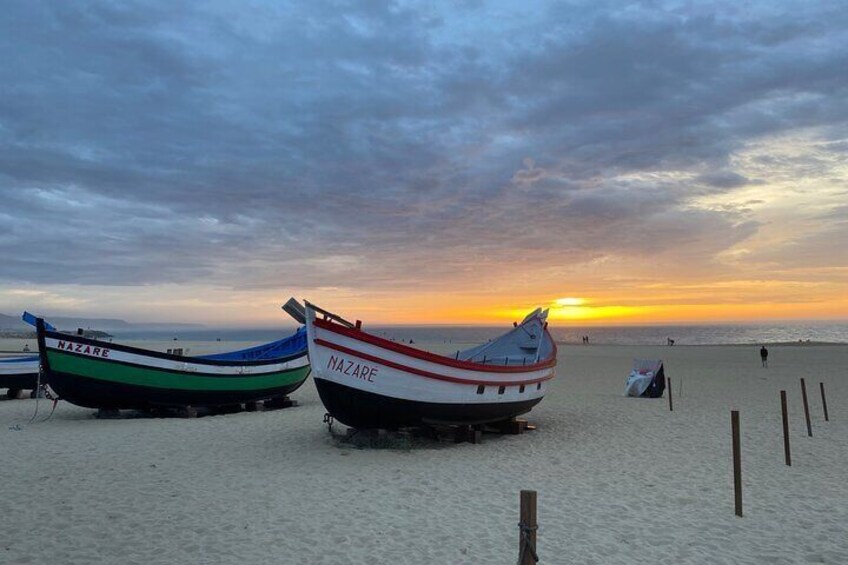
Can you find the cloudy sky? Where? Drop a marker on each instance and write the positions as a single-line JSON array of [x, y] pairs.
[[428, 161]]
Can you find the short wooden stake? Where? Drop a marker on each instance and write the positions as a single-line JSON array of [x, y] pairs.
[[806, 407], [670, 400], [824, 402], [783, 409], [527, 529], [475, 435], [737, 462]]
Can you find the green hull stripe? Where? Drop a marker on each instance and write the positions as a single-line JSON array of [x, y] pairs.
[[163, 378]]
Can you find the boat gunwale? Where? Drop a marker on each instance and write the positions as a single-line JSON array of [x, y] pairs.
[[159, 355], [420, 354], [422, 372]]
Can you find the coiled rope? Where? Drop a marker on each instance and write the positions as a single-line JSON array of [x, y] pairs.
[[526, 543], [39, 390]]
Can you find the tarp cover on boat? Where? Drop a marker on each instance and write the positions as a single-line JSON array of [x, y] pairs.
[[25, 359], [525, 344], [281, 348], [647, 378]]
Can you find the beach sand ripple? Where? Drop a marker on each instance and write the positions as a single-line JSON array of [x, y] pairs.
[[620, 480]]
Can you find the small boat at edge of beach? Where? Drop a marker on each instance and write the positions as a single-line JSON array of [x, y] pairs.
[[105, 375], [367, 382], [18, 373]]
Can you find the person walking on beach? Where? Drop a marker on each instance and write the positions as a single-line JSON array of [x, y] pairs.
[[764, 356]]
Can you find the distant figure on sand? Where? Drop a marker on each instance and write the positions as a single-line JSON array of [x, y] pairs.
[[764, 355], [26, 347], [585, 339], [669, 341]]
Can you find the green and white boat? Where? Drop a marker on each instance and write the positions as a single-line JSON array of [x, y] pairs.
[[104, 375]]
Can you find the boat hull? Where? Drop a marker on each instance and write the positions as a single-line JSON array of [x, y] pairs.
[[95, 374], [367, 382], [366, 410], [99, 393]]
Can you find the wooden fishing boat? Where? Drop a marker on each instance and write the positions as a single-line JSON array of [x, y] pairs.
[[366, 381], [105, 375], [18, 373]]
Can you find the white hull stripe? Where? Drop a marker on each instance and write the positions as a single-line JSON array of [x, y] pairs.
[[480, 378], [18, 368]]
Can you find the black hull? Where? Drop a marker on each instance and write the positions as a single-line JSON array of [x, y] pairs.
[[366, 410], [95, 393], [19, 381]]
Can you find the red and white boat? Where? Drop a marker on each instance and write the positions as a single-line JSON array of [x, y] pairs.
[[366, 381]]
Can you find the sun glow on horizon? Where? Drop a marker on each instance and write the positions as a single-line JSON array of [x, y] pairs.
[[565, 309]]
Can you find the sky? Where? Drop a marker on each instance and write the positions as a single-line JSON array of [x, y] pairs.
[[425, 162]]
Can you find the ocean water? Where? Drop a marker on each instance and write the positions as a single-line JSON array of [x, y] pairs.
[[727, 334]]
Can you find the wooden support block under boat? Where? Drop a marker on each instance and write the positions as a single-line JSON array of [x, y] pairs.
[[514, 426], [226, 409], [251, 406], [470, 434], [279, 403]]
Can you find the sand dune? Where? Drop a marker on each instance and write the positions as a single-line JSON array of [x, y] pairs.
[[620, 480]]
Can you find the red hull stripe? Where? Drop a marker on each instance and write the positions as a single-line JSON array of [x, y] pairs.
[[359, 335], [428, 374]]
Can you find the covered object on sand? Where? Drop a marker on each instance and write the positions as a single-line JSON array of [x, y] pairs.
[[647, 378]]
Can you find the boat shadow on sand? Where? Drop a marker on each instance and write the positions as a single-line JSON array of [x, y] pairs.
[[416, 438], [191, 411]]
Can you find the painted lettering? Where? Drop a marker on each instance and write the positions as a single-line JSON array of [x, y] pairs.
[[351, 368], [84, 349]]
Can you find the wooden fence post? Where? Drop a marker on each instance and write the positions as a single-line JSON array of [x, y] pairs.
[[527, 529], [806, 407], [783, 409], [737, 462], [824, 402], [670, 401]]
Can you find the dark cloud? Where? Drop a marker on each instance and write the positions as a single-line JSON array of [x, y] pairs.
[[723, 179], [384, 144]]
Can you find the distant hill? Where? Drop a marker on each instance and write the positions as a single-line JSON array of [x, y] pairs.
[[67, 323], [13, 323]]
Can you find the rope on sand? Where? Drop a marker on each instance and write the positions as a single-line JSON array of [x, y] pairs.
[[526, 543]]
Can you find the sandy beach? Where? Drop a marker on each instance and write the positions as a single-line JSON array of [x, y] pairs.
[[619, 480]]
